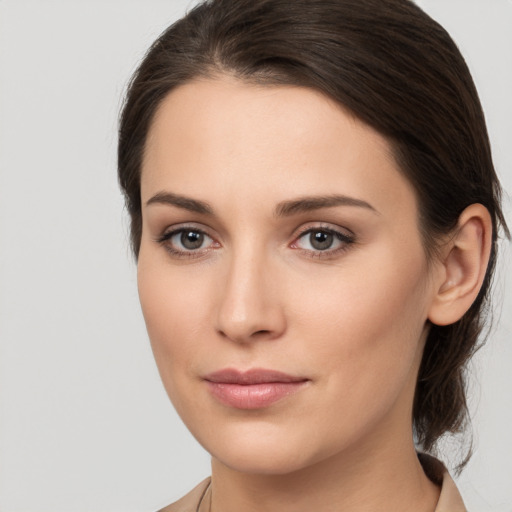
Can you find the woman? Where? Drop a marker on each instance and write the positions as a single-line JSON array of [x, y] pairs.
[[315, 215]]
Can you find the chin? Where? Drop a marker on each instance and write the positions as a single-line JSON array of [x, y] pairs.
[[269, 461], [265, 449]]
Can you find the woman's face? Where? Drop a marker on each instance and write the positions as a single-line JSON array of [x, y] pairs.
[[282, 275]]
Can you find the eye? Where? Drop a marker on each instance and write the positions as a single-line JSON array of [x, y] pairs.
[[320, 240], [189, 240], [186, 242], [325, 240]]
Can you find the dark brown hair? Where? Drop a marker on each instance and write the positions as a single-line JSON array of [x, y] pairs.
[[394, 68]]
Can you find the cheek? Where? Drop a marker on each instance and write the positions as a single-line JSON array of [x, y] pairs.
[[366, 328], [174, 310]]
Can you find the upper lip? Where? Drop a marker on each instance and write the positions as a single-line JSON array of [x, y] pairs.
[[252, 376]]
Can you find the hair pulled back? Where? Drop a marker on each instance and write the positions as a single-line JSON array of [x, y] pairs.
[[394, 68]]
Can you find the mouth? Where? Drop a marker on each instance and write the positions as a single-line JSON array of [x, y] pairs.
[[253, 389]]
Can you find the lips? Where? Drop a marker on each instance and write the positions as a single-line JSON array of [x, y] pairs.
[[253, 389]]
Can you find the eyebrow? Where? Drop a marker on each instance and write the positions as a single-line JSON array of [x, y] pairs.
[[186, 203], [283, 209], [310, 203]]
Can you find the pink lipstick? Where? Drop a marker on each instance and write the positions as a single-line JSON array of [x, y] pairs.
[[253, 389]]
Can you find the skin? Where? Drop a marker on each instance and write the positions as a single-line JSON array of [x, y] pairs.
[[352, 320]]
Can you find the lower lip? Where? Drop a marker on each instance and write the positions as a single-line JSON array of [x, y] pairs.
[[252, 396]]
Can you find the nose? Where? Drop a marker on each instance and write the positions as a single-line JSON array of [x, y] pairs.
[[250, 308]]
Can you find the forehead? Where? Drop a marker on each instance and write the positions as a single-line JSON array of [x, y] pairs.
[[210, 137], [213, 110]]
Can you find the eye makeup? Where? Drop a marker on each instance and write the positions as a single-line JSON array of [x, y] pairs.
[[321, 241], [315, 241]]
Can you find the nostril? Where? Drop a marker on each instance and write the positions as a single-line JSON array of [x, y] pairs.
[[262, 332], [259, 334]]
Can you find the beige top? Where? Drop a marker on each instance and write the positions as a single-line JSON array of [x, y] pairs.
[[198, 499]]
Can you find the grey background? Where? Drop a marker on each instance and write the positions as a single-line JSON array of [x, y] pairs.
[[84, 422]]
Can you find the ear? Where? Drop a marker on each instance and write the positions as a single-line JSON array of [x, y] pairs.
[[462, 266]]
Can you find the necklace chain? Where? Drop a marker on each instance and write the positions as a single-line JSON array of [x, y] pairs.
[[206, 492]]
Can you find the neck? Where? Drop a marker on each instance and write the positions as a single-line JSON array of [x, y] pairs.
[[387, 479]]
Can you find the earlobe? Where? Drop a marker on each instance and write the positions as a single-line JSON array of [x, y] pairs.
[[464, 264]]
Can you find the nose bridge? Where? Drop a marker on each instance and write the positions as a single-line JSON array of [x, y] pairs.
[[250, 304]]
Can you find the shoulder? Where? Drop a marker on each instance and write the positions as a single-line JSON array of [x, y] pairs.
[[190, 501], [450, 499]]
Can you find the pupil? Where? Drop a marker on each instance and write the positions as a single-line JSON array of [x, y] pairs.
[[192, 239], [321, 240]]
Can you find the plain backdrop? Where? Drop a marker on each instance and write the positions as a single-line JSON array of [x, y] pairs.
[[85, 425]]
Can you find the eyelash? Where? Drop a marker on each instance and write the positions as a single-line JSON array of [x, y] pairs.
[[177, 253], [345, 239]]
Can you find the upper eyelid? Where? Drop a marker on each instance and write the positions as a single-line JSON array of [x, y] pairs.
[[176, 228], [342, 237], [321, 226]]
